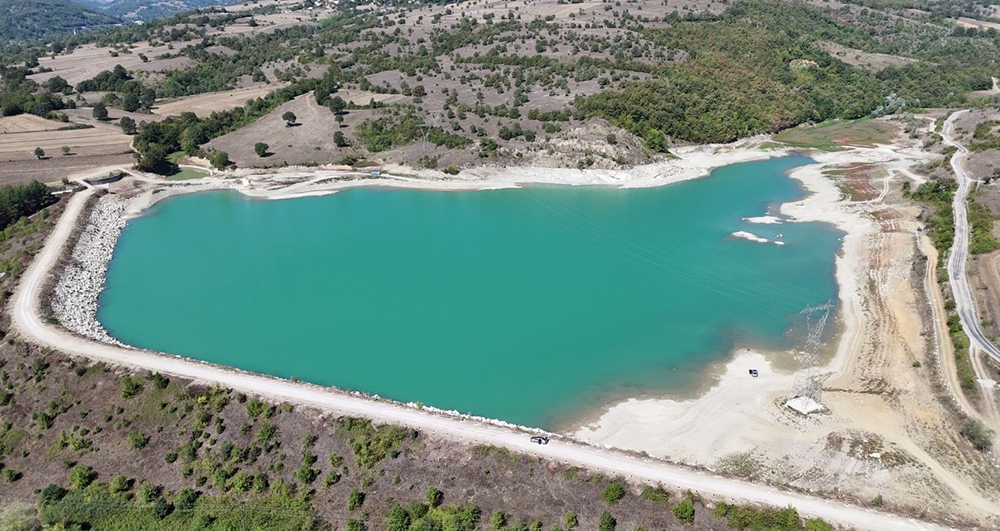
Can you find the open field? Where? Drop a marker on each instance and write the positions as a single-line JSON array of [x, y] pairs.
[[89, 60], [871, 61], [93, 147], [205, 104], [28, 123], [830, 136], [21, 145], [967, 22]]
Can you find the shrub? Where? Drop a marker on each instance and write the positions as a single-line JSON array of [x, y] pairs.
[[81, 476], [137, 440], [130, 387], [434, 497], [684, 511], [655, 494], [978, 434], [570, 521], [355, 499], [614, 493], [607, 522]]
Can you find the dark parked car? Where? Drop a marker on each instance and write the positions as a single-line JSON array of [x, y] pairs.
[[538, 439]]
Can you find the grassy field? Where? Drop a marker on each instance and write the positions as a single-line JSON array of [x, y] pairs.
[[188, 173], [832, 135]]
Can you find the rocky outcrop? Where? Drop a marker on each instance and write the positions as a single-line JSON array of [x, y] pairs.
[[82, 280]]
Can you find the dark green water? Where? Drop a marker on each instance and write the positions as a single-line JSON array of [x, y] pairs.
[[530, 305]]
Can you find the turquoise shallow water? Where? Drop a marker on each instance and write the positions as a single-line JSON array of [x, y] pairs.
[[528, 305]]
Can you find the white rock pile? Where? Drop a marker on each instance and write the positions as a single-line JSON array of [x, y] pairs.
[[80, 285]]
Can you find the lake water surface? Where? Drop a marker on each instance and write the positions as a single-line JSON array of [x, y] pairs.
[[529, 305]]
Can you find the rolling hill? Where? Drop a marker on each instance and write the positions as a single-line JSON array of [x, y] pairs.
[[147, 9], [24, 20]]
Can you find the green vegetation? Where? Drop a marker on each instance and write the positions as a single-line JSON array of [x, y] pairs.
[[183, 174], [21, 200], [684, 511], [829, 136], [941, 223], [981, 239], [963, 365], [98, 506], [614, 493], [370, 444], [753, 518], [26, 20]]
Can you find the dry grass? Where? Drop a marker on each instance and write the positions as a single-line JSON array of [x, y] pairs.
[[27, 123], [205, 104], [54, 140], [870, 61]]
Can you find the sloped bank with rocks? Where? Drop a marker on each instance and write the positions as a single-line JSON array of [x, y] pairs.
[[79, 285]]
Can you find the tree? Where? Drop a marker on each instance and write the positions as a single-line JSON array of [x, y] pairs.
[[100, 111], [260, 149], [128, 125], [137, 440], [340, 139], [219, 159], [289, 118], [337, 104], [419, 91], [154, 158], [131, 103], [56, 84], [65, 150], [340, 120], [39, 153]]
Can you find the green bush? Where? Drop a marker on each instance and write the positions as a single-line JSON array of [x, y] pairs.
[[607, 522], [355, 499], [614, 493], [684, 511]]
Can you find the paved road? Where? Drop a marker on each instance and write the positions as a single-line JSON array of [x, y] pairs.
[[29, 323], [965, 303]]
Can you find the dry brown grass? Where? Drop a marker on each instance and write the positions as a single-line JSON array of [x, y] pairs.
[[27, 123], [205, 104]]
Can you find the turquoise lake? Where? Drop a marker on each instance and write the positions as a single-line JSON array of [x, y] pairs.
[[530, 305]]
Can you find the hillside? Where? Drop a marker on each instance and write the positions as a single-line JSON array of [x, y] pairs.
[[24, 20], [148, 9]]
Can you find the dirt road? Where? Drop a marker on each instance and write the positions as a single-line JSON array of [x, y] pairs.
[[638, 470]]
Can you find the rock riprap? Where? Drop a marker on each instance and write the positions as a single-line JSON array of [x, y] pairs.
[[81, 282]]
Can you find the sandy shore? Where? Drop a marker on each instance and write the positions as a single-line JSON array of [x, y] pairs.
[[745, 412]]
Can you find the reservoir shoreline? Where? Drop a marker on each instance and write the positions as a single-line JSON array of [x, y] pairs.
[[820, 205]]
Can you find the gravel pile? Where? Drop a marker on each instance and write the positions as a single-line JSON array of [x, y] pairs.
[[81, 282]]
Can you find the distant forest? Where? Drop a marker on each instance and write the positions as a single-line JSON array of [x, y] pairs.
[[757, 67]]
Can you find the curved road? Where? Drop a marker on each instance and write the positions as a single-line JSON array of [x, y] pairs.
[[965, 303], [636, 469]]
